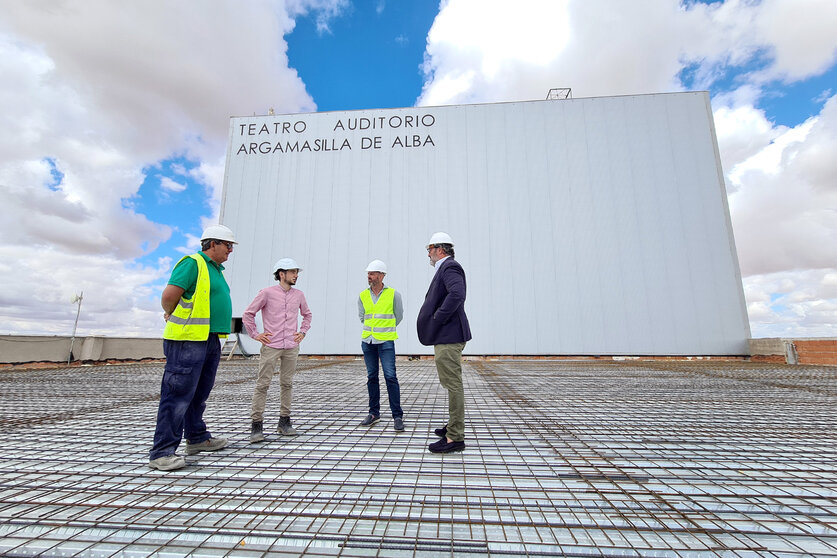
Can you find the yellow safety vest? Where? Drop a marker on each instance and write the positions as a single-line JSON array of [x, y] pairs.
[[190, 320], [379, 317]]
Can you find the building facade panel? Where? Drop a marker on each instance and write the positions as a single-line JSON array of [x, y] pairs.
[[586, 226]]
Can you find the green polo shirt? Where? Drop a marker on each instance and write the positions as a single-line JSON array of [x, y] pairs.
[[185, 276]]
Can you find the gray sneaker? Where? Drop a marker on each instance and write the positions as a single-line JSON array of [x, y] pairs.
[[167, 463], [370, 420], [256, 434], [399, 425], [285, 428], [213, 444]]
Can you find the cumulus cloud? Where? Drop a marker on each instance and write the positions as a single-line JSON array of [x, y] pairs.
[[799, 35], [784, 210], [119, 299], [792, 304], [742, 131], [781, 179], [479, 50], [94, 94]]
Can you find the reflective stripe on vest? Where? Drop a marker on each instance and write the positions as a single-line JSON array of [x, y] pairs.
[[190, 320], [379, 317]]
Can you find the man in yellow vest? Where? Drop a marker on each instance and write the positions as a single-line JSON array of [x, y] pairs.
[[380, 310], [198, 311]]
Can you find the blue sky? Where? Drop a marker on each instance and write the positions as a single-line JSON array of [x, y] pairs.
[[169, 195], [370, 58], [791, 104], [783, 104], [116, 119]]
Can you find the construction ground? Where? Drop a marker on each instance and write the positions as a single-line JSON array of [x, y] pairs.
[[563, 458]]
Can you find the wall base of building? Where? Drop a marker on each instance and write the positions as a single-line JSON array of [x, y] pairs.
[[19, 349]]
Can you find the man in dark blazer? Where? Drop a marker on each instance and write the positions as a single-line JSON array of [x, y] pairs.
[[442, 323]]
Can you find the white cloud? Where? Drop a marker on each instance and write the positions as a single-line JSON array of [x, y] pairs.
[[95, 92], [800, 35], [733, 33], [792, 304], [211, 174], [784, 211], [170, 185], [743, 131], [483, 51], [783, 206], [119, 299], [599, 47], [324, 10]]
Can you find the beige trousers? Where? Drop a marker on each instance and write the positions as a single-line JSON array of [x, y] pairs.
[[267, 368], [449, 367]]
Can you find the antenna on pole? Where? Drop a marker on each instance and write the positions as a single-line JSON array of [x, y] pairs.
[[559, 93], [76, 299]]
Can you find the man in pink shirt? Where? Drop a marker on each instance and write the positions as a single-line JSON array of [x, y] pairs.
[[280, 306]]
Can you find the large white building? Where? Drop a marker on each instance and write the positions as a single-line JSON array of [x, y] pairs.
[[593, 226]]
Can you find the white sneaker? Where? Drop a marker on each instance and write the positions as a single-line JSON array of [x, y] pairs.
[[167, 463]]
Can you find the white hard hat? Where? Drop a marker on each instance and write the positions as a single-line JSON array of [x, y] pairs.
[[377, 265], [286, 263], [218, 232], [440, 238]]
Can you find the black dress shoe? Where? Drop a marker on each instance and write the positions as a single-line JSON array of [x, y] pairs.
[[441, 432], [443, 446]]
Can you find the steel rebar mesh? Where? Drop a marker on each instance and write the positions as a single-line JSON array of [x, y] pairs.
[[563, 458]]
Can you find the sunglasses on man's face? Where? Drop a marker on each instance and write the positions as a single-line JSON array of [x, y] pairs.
[[229, 245]]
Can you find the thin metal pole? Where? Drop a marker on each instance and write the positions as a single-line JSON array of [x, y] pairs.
[[78, 299]]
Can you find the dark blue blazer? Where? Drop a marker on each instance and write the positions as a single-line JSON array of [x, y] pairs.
[[442, 318]]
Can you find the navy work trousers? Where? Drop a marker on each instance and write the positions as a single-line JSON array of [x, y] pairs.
[[385, 352], [187, 381]]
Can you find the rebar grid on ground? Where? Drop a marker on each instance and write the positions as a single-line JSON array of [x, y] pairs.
[[563, 458]]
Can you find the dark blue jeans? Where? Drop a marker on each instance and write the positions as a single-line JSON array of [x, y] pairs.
[[187, 381], [385, 352]]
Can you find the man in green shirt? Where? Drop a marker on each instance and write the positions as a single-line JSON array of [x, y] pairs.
[[198, 310]]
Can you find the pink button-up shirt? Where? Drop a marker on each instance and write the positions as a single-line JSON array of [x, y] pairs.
[[280, 315]]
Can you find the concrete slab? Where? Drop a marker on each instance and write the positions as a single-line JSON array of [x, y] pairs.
[[564, 458]]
